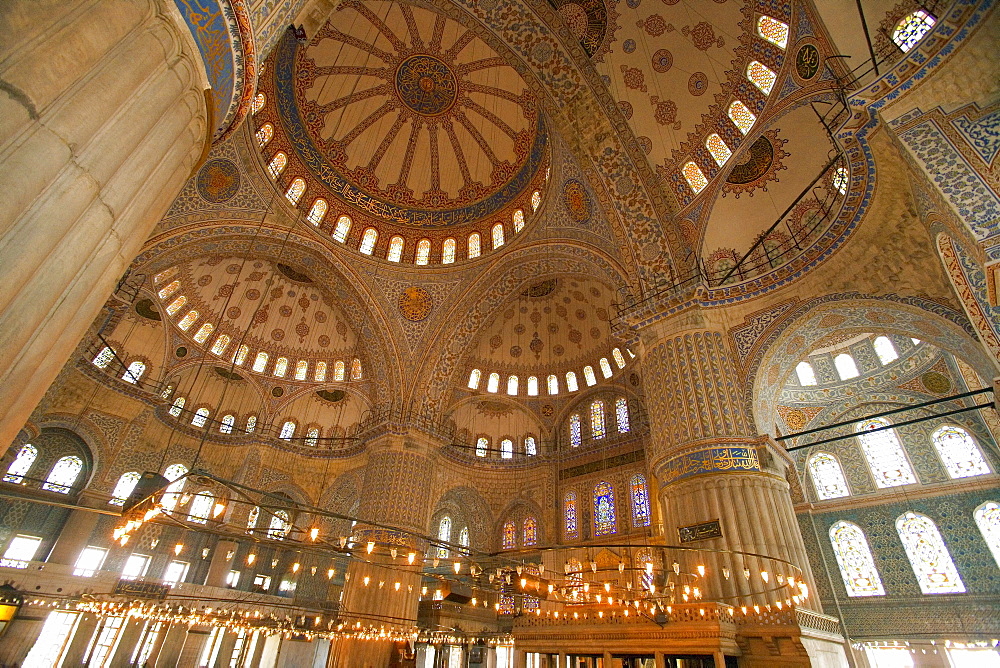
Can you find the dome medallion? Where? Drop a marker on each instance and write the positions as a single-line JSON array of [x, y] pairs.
[[426, 85]]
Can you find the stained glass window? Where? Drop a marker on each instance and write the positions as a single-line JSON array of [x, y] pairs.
[[571, 385], [448, 251], [741, 115], [506, 449], [342, 228], [846, 367], [175, 474], [260, 362], [319, 372], [530, 448], [509, 539], [569, 513], [395, 249], [773, 30], [277, 165], [640, 501], [188, 320], [227, 424], [493, 383], [241, 355], [474, 377], [532, 386], [605, 367], [301, 370], [175, 306], [474, 245], [482, 445], [280, 367], [553, 384], [463, 539], [164, 275], [498, 236], [258, 103], [63, 474], [960, 454], [280, 525], [134, 372], [338, 370], [22, 464], [167, 391], [604, 509], [104, 357], [264, 134], [574, 430], [423, 251], [312, 437], [857, 566], [536, 200], [126, 483], [621, 415], [804, 371], [762, 76], [200, 417], [444, 534], [911, 29], [574, 579], [988, 520], [529, 534], [251, 424], [720, 152], [597, 419], [201, 507], [695, 177], [220, 344], [287, 430], [317, 211], [203, 332], [840, 178], [827, 476], [512, 386], [177, 406], [928, 555], [355, 369], [168, 290], [619, 358], [368, 240], [252, 519], [588, 374], [885, 455]]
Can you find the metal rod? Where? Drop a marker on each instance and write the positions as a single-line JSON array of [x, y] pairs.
[[868, 38]]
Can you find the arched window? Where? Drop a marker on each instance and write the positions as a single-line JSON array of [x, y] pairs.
[[571, 385], [619, 358], [444, 534], [463, 539], [536, 201], [423, 251], [532, 386], [911, 29], [640, 501], [126, 483], [597, 419], [171, 495], [368, 240], [773, 30], [201, 507], [840, 178], [512, 386], [312, 437], [518, 219], [575, 437], [251, 424], [569, 514], [164, 275], [695, 177], [498, 236], [227, 424], [530, 448], [960, 454], [220, 344], [762, 76], [804, 371], [857, 566], [63, 475], [18, 468], [200, 417], [260, 362], [338, 370], [355, 369], [448, 251], [506, 449], [258, 103], [720, 152], [509, 538], [395, 249], [474, 246], [175, 306], [319, 372], [134, 372], [553, 384], [588, 375], [827, 476], [264, 134], [277, 165], [529, 533], [177, 407], [474, 377], [741, 116], [928, 555], [103, 358], [317, 211], [884, 349], [188, 320], [574, 578], [203, 333], [241, 355], [287, 430], [301, 370], [342, 228], [167, 391], [493, 383], [885, 455], [169, 289], [280, 525], [604, 509], [621, 415], [846, 368], [988, 520], [252, 519], [605, 367], [280, 367], [482, 445]]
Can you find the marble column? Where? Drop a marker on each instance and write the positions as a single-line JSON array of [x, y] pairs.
[[76, 533], [104, 118], [222, 562]]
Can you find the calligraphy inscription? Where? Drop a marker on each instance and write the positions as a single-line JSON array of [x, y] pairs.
[[712, 460], [702, 531]]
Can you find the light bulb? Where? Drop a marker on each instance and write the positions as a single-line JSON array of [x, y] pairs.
[[371, 546], [178, 548]]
